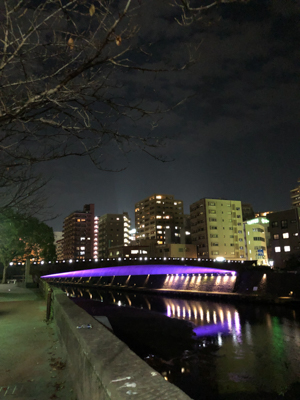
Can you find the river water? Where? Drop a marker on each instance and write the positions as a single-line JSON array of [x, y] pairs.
[[228, 351]]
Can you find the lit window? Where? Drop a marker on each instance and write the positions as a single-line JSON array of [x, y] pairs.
[[276, 236], [175, 204], [160, 232], [285, 235], [158, 216], [277, 249], [158, 197], [287, 248], [134, 251], [159, 227]]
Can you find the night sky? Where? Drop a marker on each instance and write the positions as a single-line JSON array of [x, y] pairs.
[[237, 134]]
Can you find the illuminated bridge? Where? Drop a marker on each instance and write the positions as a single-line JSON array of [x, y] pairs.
[[166, 274]]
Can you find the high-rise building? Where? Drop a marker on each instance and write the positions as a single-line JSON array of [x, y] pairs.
[[217, 228], [113, 231], [78, 234], [159, 218], [295, 195], [285, 235]]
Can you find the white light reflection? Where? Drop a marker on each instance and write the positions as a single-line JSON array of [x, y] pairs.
[[195, 312], [169, 313], [207, 316], [201, 314], [220, 341], [229, 320], [215, 317], [221, 314], [237, 326]]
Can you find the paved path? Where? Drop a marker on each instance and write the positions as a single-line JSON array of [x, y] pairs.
[[31, 360]]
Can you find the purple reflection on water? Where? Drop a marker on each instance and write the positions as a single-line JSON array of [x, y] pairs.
[[139, 270], [213, 329]]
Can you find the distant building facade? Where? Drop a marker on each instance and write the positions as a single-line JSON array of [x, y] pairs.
[[217, 228], [284, 235], [159, 218], [256, 234], [174, 250], [78, 234], [295, 195], [113, 231], [247, 212], [59, 248]]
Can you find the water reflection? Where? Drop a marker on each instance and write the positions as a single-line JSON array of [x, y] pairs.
[[237, 351], [209, 318]]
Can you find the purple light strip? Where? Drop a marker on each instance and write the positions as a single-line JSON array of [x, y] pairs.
[[139, 270], [208, 330]]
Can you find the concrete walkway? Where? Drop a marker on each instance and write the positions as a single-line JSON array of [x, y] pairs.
[[31, 360]]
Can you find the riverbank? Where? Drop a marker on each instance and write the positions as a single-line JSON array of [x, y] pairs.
[[32, 363]]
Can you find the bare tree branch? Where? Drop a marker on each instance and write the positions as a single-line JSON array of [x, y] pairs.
[[62, 92]]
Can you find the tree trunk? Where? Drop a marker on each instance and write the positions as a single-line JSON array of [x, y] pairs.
[[4, 273], [28, 277]]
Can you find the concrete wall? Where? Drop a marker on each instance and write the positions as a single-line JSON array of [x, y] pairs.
[[100, 365]]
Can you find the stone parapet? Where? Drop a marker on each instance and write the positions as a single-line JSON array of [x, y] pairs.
[[101, 366]]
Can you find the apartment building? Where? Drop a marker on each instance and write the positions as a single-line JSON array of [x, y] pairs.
[[78, 234], [113, 231], [159, 218], [284, 235], [217, 228], [256, 240]]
